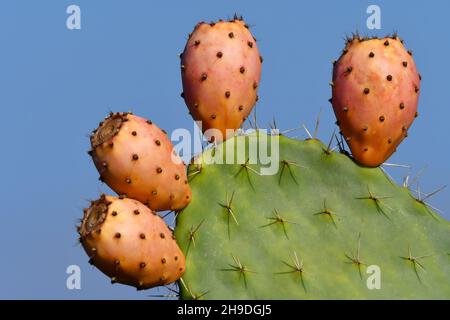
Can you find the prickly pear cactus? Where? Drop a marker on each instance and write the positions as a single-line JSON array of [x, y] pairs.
[[323, 227]]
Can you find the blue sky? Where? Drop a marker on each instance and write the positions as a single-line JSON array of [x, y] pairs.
[[57, 84]]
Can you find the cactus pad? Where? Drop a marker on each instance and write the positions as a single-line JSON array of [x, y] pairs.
[[311, 231]]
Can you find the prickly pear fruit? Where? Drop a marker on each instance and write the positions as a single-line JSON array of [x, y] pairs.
[[130, 244], [375, 95], [136, 158], [220, 70]]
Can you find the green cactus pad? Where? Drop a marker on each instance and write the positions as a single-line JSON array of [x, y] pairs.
[[315, 230]]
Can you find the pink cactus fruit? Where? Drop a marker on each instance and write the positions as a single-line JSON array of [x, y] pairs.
[[221, 71], [136, 159], [130, 244], [375, 94]]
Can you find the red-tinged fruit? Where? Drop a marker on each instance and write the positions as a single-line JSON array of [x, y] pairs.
[[130, 244], [221, 71], [376, 90], [136, 159]]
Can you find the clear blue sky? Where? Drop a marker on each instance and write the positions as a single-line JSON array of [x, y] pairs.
[[56, 84]]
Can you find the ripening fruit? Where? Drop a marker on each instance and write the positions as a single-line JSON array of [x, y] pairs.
[[129, 243], [136, 158], [221, 71], [375, 94]]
